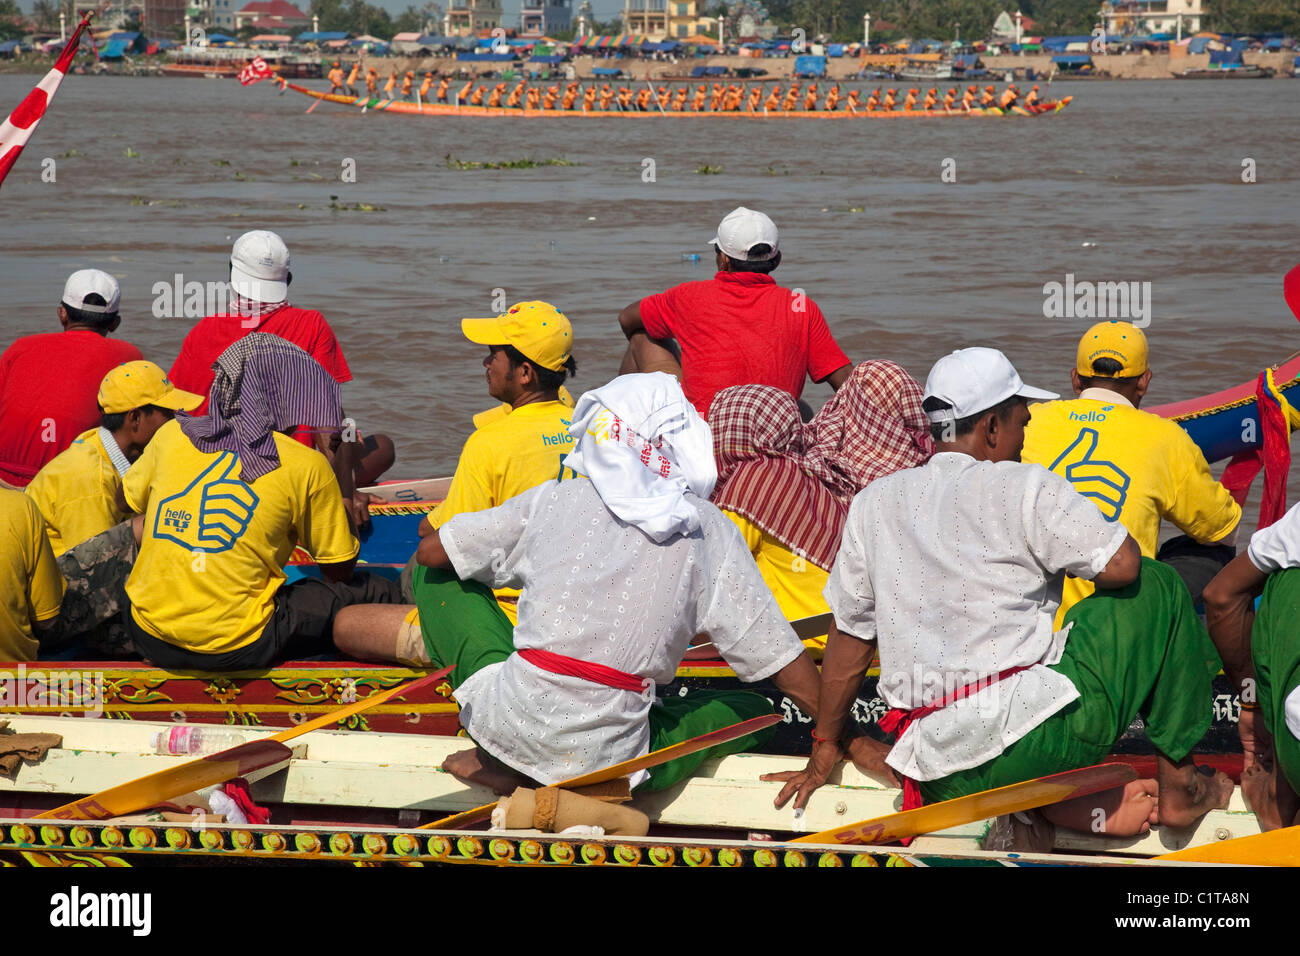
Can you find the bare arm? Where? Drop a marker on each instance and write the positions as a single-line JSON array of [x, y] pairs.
[[798, 680], [1230, 613], [845, 664], [1123, 567], [629, 319], [425, 529], [431, 553], [839, 376]]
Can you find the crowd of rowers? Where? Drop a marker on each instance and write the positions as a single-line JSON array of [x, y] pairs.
[[1002, 561], [731, 98]]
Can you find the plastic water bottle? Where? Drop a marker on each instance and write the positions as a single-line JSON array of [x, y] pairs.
[[187, 739]]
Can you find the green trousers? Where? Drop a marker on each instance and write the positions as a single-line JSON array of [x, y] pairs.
[[1136, 650], [463, 626], [1275, 647]]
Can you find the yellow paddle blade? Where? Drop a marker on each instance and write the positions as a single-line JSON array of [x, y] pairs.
[[652, 759], [156, 788], [1274, 848], [979, 806]]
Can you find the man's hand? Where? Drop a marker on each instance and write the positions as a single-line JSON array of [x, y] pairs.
[[358, 507], [801, 784], [869, 755]]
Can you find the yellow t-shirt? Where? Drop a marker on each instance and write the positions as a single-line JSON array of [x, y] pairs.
[[77, 493], [795, 582], [31, 587], [214, 547], [506, 457], [1136, 467]]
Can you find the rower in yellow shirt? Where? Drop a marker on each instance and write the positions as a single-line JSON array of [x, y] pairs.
[[1138, 468], [31, 587], [514, 448], [79, 492], [336, 79]]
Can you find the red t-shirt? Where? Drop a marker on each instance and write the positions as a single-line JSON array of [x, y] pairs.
[[741, 328], [192, 370], [49, 390]]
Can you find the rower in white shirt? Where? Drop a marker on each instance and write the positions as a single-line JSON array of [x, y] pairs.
[[955, 568], [618, 570]]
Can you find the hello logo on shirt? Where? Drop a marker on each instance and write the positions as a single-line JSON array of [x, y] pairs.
[[211, 513]]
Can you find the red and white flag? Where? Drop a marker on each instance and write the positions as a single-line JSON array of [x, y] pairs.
[[18, 128], [255, 71]]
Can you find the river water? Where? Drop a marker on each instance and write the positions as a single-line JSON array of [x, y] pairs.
[[1135, 181]]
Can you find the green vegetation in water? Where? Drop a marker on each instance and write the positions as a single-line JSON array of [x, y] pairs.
[[453, 163], [707, 170], [142, 201], [219, 162], [132, 153], [240, 177], [69, 154], [773, 171], [352, 207]]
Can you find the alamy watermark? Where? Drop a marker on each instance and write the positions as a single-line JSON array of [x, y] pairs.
[[55, 690], [1085, 299]]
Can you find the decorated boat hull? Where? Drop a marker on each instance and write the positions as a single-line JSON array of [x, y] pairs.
[[448, 109]]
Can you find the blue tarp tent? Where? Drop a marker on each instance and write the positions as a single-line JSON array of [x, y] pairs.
[[835, 50], [965, 61], [1059, 44], [550, 59], [485, 57], [810, 66], [120, 44], [310, 37], [8, 48], [1072, 59], [662, 47], [1225, 58], [605, 71]]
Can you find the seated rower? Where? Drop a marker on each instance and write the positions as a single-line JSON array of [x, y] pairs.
[[225, 497], [787, 485], [1008, 98], [548, 100], [773, 102], [1259, 652], [572, 689], [873, 100], [494, 98], [390, 85], [589, 99], [715, 101], [31, 587], [697, 101], [1031, 98], [80, 497], [1138, 469], [909, 101], [968, 98], [852, 103], [529, 355], [462, 96], [443, 85], [643, 101], [570, 96], [532, 98], [477, 98], [607, 97], [955, 567], [791, 98], [931, 97], [260, 277], [989, 97], [755, 101], [335, 77], [810, 99], [516, 96], [888, 103]]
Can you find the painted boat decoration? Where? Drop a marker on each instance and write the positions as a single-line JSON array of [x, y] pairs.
[[1227, 422], [357, 798], [449, 109]]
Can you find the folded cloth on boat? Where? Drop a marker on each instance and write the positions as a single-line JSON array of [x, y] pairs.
[[644, 447], [795, 480], [263, 384], [15, 748]]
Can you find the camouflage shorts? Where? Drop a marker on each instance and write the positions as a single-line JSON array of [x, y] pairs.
[[96, 571]]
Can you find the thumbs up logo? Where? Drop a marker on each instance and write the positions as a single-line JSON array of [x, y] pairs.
[[212, 513], [1102, 481]]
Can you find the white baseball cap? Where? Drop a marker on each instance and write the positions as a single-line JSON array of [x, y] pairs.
[[259, 267], [741, 230], [86, 282], [973, 381]]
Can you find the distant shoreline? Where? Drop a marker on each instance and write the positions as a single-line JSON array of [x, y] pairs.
[[1118, 66]]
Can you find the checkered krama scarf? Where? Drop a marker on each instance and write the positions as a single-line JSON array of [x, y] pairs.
[[263, 384], [795, 481]]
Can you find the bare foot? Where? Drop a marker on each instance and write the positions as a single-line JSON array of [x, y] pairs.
[[1120, 812], [1188, 792], [470, 766], [1259, 787]]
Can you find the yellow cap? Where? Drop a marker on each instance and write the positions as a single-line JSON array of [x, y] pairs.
[[1121, 341], [537, 329], [134, 384]]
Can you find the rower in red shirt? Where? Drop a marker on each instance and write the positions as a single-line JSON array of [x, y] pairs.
[[49, 383], [739, 328], [259, 285]]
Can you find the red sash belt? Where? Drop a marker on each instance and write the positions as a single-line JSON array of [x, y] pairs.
[[898, 720], [596, 673]]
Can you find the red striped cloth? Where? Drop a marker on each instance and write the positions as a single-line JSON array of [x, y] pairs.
[[794, 480]]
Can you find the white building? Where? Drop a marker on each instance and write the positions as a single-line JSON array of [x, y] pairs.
[[1127, 17]]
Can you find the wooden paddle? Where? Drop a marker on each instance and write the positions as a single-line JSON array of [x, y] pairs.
[[979, 806], [156, 788], [1274, 848], [652, 759]]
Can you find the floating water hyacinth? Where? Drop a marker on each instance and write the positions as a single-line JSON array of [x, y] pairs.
[[453, 163]]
